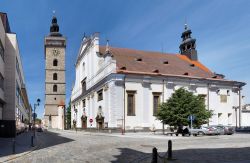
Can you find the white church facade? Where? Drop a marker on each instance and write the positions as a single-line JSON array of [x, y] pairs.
[[122, 88]]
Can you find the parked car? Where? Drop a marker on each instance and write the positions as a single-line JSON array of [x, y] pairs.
[[204, 131], [224, 130], [39, 129], [220, 129]]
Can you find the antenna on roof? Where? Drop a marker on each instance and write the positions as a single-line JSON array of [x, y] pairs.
[[107, 47]]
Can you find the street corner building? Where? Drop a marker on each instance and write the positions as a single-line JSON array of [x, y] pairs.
[[54, 45], [122, 88], [15, 110]]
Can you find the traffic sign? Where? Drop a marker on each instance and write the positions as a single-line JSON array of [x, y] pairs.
[[191, 117]]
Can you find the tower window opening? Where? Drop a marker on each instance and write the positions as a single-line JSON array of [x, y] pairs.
[[54, 88], [55, 62], [55, 76]]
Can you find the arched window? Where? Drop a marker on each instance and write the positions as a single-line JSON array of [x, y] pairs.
[[55, 62], [55, 88], [55, 76]]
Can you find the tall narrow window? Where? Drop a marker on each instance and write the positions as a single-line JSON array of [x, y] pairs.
[[84, 103], [100, 95], [54, 88], [131, 103], [55, 76], [83, 85], [156, 102], [55, 62]]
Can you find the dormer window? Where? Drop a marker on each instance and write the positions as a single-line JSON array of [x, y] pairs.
[[138, 59], [123, 68], [186, 73], [165, 62], [156, 71], [192, 65]]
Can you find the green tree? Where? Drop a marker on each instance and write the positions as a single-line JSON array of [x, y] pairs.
[[38, 121], [180, 105], [68, 120]]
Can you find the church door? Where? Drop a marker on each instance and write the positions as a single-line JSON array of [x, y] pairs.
[[84, 122], [99, 122]]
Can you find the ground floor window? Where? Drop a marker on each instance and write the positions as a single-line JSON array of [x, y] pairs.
[[156, 102], [219, 118], [131, 103], [230, 119]]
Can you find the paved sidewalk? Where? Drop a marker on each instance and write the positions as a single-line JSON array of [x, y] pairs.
[[157, 135], [22, 146]]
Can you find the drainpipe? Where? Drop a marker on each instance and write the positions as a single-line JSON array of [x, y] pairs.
[[208, 99], [124, 97], [240, 107], [163, 91]]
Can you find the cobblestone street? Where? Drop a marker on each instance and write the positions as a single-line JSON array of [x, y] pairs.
[[69, 146]]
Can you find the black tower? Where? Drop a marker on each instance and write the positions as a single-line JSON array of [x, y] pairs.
[[187, 46]]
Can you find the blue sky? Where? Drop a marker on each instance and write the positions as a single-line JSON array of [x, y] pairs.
[[222, 30]]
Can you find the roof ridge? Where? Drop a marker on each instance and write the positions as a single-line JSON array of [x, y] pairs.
[[132, 49]]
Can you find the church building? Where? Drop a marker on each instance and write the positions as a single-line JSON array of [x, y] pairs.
[[54, 45], [122, 88]]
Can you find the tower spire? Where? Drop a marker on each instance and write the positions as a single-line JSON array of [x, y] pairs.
[[107, 47], [188, 44], [185, 25], [54, 27]]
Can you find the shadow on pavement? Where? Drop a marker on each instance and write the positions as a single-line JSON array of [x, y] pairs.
[[23, 142], [211, 155], [49, 139]]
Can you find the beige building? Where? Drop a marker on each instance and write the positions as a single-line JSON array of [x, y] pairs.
[[55, 45], [15, 109]]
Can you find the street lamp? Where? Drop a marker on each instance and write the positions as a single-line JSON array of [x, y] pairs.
[[34, 114]]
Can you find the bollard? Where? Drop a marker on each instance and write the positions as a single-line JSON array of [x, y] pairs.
[[169, 149], [32, 141], [13, 146], [154, 155]]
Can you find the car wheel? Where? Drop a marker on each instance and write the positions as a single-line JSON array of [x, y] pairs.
[[201, 133]]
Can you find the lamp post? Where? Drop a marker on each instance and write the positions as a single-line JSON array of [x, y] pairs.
[[34, 114]]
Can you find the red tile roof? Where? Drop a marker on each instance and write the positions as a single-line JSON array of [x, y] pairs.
[[155, 63]]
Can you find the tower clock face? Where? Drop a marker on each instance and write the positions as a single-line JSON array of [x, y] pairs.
[[55, 52]]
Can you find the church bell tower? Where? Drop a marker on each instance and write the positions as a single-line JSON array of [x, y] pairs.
[[54, 45], [188, 44]]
